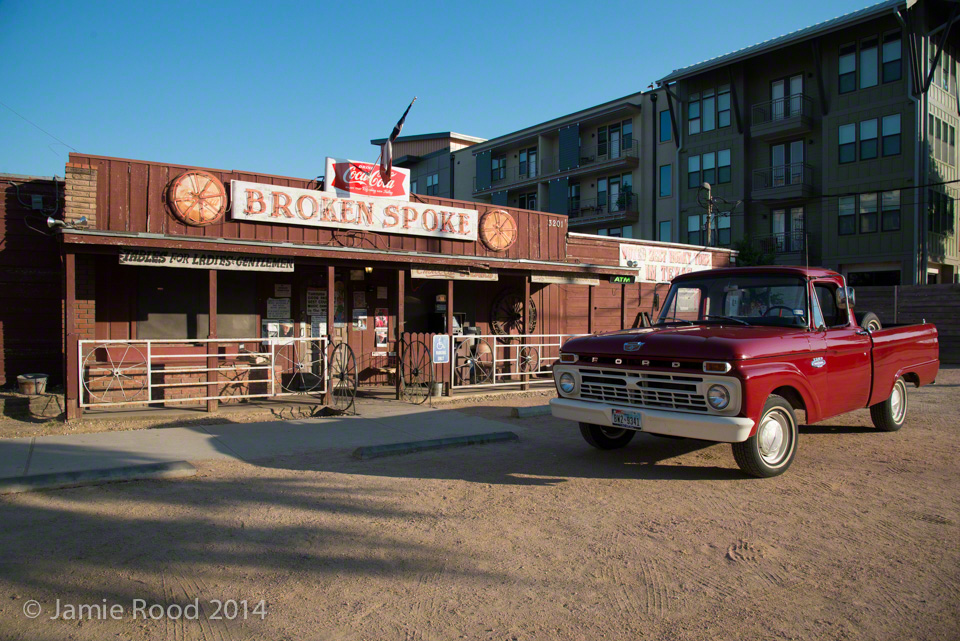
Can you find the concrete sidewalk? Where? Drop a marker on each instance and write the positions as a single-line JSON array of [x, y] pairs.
[[378, 423]]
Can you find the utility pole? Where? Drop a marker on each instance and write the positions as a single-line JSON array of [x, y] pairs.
[[709, 214]]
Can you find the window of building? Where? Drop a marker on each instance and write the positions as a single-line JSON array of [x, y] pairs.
[[433, 184], [890, 210], [664, 233], [891, 135], [848, 143], [413, 187], [666, 180], [666, 128], [611, 138], [891, 57], [709, 110], [528, 201], [615, 231], [868, 139], [601, 193], [723, 166], [723, 230], [693, 114], [708, 165], [693, 172], [847, 215], [848, 68], [723, 106], [868, 213], [626, 128], [693, 230], [602, 141], [951, 144], [618, 232], [528, 162], [869, 71], [498, 167], [573, 198]]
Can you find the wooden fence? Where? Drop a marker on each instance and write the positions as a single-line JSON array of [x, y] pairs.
[[937, 304]]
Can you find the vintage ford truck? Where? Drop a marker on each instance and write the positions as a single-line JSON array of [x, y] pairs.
[[733, 354]]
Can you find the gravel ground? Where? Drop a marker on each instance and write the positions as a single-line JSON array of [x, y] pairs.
[[541, 539]]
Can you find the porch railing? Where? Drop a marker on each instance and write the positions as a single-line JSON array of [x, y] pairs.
[[781, 109], [491, 360]]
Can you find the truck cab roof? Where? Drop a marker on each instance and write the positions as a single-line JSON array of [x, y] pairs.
[[810, 272]]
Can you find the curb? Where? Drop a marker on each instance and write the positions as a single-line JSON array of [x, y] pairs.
[[391, 449], [527, 412], [58, 480]]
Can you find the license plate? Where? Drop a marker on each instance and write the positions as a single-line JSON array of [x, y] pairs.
[[626, 418]]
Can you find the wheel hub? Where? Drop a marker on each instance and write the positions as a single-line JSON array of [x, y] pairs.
[[771, 438]]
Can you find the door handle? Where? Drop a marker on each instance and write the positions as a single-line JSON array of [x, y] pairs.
[[862, 332]]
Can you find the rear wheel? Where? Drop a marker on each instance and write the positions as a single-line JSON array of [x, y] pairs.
[[890, 415], [606, 438], [770, 451]]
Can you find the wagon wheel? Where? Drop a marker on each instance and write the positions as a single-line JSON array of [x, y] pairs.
[[343, 378], [124, 370], [507, 315], [416, 373], [528, 360], [301, 364], [473, 365]]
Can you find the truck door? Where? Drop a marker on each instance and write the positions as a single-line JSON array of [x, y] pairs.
[[848, 360]]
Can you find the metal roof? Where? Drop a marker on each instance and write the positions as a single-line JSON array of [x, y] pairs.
[[781, 41], [440, 134]]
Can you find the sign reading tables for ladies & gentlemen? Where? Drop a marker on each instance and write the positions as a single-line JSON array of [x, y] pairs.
[[204, 260], [452, 274], [263, 203]]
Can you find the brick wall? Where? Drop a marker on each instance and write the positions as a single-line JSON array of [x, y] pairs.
[[80, 197], [86, 296]]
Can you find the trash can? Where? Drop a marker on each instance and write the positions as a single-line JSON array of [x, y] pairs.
[[32, 384], [437, 389]]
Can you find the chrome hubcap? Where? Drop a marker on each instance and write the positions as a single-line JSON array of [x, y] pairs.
[[773, 437], [897, 405]]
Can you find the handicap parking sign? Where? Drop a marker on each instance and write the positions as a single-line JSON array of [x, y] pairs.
[[441, 348]]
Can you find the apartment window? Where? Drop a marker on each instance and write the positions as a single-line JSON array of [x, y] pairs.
[[723, 106], [952, 158], [601, 193], [868, 213], [868, 139], [664, 234], [847, 215], [433, 184], [602, 141], [614, 231], [709, 107], [848, 68], [693, 172], [693, 230], [891, 57], [723, 230], [869, 74], [573, 198], [666, 180], [626, 128], [498, 167], [708, 164], [528, 201], [528, 162], [890, 210], [666, 128], [848, 143], [693, 114], [891, 135], [413, 187], [945, 71], [723, 166]]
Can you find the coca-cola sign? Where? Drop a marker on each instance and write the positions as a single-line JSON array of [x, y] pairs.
[[353, 178]]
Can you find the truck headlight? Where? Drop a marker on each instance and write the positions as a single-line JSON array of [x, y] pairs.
[[718, 396], [567, 383]]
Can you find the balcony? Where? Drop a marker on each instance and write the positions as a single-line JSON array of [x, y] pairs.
[[789, 248], [783, 117], [783, 182], [595, 211]]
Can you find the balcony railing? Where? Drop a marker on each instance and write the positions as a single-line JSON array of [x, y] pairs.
[[782, 109], [781, 176], [592, 210], [781, 243]]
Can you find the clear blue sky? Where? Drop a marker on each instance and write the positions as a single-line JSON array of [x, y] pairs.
[[276, 87]]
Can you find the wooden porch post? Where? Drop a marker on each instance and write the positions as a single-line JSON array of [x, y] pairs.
[[212, 348], [526, 325], [623, 306], [398, 346], [590, 309], [450, 332], [331, 314], [71, 338]]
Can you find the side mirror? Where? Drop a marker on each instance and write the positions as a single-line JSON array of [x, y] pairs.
[[846, 299]]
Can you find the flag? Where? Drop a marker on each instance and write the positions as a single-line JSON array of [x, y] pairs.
[[386, 150]]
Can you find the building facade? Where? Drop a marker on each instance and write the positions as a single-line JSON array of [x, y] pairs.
[[833, 145], [429, 159], [605, 168]]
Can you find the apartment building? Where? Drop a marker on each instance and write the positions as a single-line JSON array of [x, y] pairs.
[[429, 159], [610, 169], [836, 141]]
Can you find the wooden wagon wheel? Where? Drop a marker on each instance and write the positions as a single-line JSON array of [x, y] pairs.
[[498, 230], [528, 360], [343, 378], [197, 198], [507, 315], [301, 365], [473, 364], [122, 370], [416, 372]]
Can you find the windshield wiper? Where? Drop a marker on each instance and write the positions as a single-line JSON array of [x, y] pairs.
[[675, 320], [729, 318]]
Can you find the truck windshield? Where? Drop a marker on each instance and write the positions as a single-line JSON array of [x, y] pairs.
[[754, 299]]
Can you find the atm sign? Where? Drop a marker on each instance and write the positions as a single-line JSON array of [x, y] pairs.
[[623, 280]]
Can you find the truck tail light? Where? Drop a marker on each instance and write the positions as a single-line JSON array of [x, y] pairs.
[[716, 367]]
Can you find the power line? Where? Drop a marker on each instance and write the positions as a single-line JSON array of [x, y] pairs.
[[38, 126]]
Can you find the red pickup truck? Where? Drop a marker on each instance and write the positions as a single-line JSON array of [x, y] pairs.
[[733, 354]]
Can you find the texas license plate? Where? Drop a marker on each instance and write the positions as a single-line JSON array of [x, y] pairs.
[[626, 418]]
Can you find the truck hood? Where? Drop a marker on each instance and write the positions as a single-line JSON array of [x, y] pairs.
[[707, 342]]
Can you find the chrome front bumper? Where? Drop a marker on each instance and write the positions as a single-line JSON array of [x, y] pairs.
[[722, 429]]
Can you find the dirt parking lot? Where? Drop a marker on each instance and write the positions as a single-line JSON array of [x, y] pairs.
[[541, 539]]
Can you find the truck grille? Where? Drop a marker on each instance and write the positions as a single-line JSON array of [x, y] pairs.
[[655, 391]]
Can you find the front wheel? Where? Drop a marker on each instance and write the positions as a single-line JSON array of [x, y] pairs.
[[771, 449], [606, 438], [890, 415]]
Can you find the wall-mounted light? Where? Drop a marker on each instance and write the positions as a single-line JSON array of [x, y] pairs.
[[54, 223], [369, 270]]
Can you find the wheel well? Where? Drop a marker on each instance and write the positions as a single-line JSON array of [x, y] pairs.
[[912, 377], [793, 397]]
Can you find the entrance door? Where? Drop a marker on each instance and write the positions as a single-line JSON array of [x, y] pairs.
[[787, 96], [787, 162], [797, 229], [777, 95], [615, 141], [796, 95], [614, 186]]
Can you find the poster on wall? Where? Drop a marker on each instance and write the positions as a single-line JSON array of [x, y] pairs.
[[381, 292], [318, 326], [270, 329], [356, 274], [381, 333], [316, 301], [278, 308], [380, 317], [359, 319], [283, 290], [339, 304], [359, 299]]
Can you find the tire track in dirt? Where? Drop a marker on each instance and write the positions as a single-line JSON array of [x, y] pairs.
[[181, 590]]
